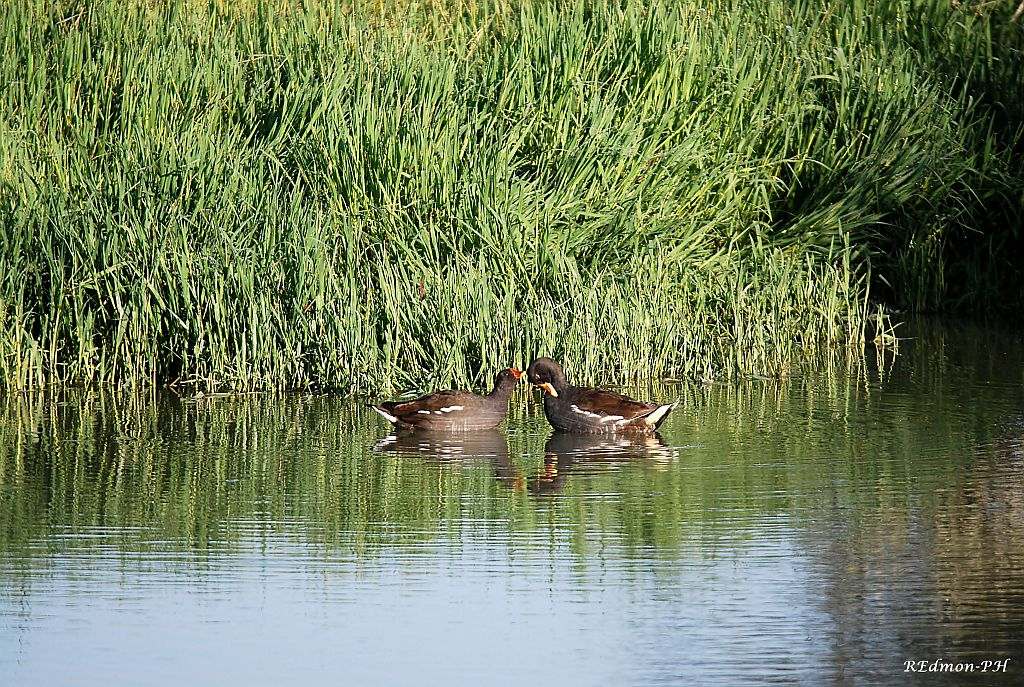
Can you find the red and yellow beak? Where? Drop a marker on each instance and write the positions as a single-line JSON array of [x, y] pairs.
[[548, 389], [518, 374]]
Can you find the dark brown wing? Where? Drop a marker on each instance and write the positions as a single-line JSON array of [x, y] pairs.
[[437, 410], [430, 402], [607, 403]]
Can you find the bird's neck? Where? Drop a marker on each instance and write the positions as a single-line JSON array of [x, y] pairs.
[[502, 390], [558, 381]]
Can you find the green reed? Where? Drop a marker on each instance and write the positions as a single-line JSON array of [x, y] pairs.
[[284, 195], [197, 473]]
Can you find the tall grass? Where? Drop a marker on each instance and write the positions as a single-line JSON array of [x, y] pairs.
[[159, 472], [281, 195]]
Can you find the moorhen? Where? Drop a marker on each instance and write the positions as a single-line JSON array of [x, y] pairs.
[[591, 411], [453, 411]]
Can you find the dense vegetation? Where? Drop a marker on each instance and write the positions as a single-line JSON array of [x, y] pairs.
[[279, 194], [154, 471]]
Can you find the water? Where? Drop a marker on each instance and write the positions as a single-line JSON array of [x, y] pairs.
[[820, 531]]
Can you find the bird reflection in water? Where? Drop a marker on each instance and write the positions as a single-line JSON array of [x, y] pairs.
[[564, 454], [442, 447], [567, 454], [421, 444]]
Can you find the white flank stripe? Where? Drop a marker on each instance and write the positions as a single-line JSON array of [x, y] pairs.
[[423, 412], [584, 412], [450, 409], [611, 418]]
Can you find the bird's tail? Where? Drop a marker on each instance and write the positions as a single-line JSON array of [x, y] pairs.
[[658, 415], [384, 413]]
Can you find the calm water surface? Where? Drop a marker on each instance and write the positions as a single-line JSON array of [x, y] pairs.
[[819, 531]]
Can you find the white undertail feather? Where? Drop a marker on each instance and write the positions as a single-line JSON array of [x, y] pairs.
[[658, 413], [385, 414]]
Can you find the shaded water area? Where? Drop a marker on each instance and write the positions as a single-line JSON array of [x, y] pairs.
[[823, 530]]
